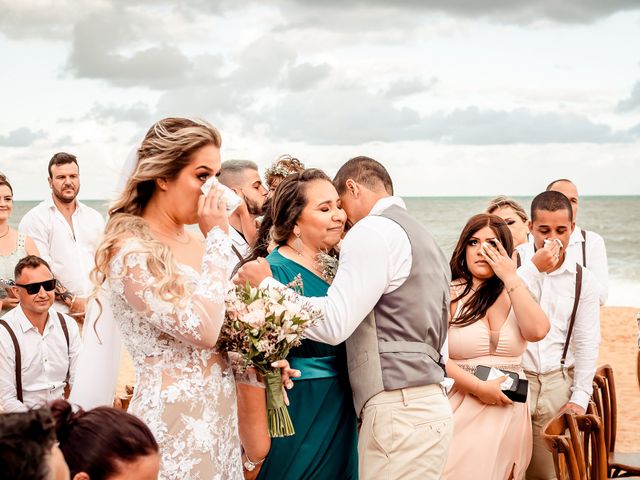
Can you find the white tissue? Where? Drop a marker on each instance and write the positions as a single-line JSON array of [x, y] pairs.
[[229, 196]]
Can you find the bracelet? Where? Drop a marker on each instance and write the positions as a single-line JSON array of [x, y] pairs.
[[250, 466], [510, 290], [73, 300]]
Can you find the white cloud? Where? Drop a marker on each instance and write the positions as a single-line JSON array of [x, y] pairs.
[[21, 137], [632, 102]]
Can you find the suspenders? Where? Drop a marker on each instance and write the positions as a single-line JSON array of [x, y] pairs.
[[584, 248], [572, 320], [16, 348]]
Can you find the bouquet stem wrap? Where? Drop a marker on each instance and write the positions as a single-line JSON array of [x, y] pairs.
[[278, 419]]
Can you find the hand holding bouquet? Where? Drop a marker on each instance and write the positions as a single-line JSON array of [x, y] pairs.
[[262, 325]]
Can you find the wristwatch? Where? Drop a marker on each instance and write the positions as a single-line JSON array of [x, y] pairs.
[[250, 466]]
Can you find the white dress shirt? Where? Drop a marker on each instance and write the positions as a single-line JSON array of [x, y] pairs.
[[240, 243], [45, 360], [375, 259], [556, 292], [596, 257], [70, 256]]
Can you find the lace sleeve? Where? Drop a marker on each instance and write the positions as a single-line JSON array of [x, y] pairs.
[[196, 319]]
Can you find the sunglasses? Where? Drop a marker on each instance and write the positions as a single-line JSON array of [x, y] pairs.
[[33, 288]]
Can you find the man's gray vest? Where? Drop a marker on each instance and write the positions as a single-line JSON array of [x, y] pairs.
[[398, 343]]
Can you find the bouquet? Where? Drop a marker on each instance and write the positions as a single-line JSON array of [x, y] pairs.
[[262, 325]]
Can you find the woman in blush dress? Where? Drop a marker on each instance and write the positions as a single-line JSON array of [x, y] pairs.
[[308, 221], [493, 316], [166, 287]]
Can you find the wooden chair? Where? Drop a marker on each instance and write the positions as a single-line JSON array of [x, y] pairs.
[[619, 464], [567, 459]]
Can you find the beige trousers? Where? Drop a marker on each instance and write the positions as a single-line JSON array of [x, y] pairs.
[[405, 434], [548, 393]]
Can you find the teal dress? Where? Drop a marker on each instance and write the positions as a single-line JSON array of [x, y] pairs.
[[325, 445]]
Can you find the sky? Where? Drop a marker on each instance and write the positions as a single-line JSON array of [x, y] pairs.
[[454, 97]]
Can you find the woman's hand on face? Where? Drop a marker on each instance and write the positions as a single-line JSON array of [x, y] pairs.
[[489, 392], [501, 264], [212, 212]]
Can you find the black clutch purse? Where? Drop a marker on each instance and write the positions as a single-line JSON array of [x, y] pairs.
[[519, 387]]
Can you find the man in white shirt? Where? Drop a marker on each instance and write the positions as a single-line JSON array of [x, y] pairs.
[[560, 371], [67, 233], [587, 247], [243, 178], [389, 301], [38, 346]]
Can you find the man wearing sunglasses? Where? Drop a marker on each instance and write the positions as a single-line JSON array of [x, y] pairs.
[[38, 346]]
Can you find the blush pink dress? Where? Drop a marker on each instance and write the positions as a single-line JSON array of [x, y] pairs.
[[490, 442]]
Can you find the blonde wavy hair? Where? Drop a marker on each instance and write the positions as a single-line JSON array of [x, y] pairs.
[[165, 150]]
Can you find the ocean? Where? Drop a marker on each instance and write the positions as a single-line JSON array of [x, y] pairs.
[[616, 218]]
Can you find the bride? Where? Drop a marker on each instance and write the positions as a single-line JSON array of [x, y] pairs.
[[166, 286]]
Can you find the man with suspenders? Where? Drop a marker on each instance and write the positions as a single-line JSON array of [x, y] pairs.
[[38, 346], [587, 247], [561, 366]]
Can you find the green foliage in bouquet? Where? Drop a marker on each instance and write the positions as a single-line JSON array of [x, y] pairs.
[[262, 326]]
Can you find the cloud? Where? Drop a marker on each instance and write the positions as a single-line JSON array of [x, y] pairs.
[[306, 75], [409, 86], [507, 11], [21, 137], [138, 113], [342, 117], [630, 103], [95, 53]]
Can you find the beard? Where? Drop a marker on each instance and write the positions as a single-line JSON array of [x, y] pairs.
[[65, 198], [253, 207]]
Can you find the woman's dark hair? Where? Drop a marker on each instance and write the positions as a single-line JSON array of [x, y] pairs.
[[289, 200], [95, 441], [5, 181], [26, 440], [263, 237], [479, 302]]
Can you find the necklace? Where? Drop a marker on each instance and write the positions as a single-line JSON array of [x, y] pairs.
[[6, 233], [314, 261], [177, 237]]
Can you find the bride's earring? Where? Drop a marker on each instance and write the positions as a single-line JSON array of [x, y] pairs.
[[297, 243]]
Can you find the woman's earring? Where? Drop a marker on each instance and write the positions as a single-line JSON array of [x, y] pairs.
[[297, 244]]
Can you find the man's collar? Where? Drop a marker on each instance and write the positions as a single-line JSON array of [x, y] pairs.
[[51, 204], [386, 202], [23, 321]]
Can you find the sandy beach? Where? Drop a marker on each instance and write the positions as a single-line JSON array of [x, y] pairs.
[[619, 348]]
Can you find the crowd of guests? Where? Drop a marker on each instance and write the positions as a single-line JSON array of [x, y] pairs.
[[387, 385]]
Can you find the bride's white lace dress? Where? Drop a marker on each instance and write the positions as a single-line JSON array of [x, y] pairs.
[[185, 391]]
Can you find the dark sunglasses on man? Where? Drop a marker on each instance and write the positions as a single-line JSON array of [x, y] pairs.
[[33, 288]]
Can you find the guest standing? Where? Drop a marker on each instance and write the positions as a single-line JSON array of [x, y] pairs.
[[67, 233], [38, 346], [587, 247], [14, 245], [493, 316], [513, 215], [242, 177], [561, 366], [308, 221], [284, 166]]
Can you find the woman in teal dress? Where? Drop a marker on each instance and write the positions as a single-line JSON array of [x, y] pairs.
[[308, 220]]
